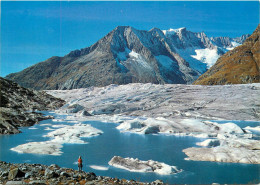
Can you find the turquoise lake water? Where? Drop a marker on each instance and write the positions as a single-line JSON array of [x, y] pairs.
[[162, 148]]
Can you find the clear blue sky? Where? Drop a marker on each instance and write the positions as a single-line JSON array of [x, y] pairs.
[[34, 31]]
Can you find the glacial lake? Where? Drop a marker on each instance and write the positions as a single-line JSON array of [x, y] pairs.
[[101, 149]]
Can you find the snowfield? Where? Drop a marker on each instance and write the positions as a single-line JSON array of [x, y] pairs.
[[180, 110], [136, 165]]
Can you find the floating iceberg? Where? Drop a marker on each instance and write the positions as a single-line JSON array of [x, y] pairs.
[[257, 128], [235, 150], [72, 134], [47, 148], [136, 165]]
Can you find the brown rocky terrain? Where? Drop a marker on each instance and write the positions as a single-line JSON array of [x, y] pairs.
[[238, 66], [14, 174], [18, 105]]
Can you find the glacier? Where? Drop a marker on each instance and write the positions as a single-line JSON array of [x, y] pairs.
[[180, 110]]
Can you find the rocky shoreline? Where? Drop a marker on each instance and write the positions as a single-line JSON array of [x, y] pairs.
[[18, 106], [39, 174]]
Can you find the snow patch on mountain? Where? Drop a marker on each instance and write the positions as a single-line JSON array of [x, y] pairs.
[[139, 59], [172, 31], [193, 62], [130, 59], [207, 56], [165, 61], [234, 44]]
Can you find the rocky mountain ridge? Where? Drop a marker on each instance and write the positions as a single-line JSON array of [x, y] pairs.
[[238, 66], [127, 55], [229, 43], [17, 106]]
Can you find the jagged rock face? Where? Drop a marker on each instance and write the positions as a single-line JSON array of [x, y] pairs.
[[126, 55], [228, 42], [239, 66], [16, 101]]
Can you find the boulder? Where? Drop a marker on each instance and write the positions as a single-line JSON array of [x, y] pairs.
[[28, 174], [90, 176], [37, 182], [14, 173], [50, 173], [15, 182], [65, 174]]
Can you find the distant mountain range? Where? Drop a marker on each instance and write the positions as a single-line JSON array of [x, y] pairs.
[[239, 66], [127, 55]]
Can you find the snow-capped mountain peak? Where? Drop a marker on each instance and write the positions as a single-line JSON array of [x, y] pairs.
[[128, 55], [172, 31]]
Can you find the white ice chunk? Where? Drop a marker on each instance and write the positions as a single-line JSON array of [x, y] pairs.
[[32, 128], [67, 134], [45, 124], [230, 128], [48, 128], [96, 167], [72, 134], [209, 143], [47, 148], [257, 128], [136, 165]]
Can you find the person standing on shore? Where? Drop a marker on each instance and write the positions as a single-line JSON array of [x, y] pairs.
[[80, 164]]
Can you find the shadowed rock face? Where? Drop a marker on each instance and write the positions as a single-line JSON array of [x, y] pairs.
[[239, 66], [125, 55], [17, 105]]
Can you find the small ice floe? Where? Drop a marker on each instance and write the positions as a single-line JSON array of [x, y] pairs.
[[96, 167], [58, 120], [257, 128], [32, 128], [136, 165], [45, 124], [59, 126], [72, 121], [48, 128]]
